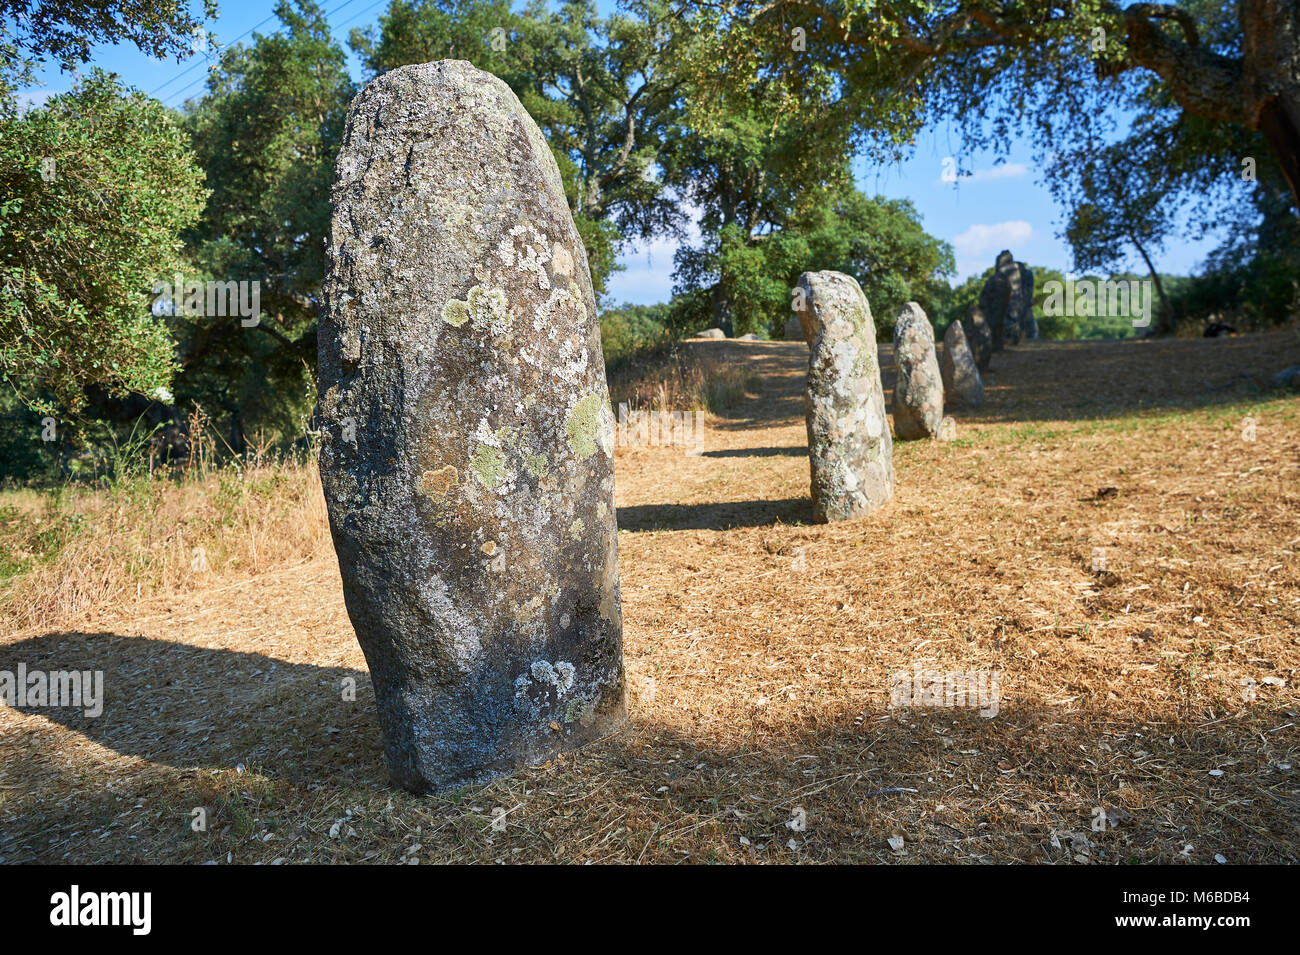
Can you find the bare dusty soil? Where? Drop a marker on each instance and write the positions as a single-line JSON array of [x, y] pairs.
[[1114, 534]]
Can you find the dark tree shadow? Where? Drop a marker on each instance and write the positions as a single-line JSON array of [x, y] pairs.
[[201, 708], [187, 706]]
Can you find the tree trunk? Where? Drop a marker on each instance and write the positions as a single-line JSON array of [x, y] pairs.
[[720, 306], [238, 440], [1260, 91], [1271, 44], [1279, 122], [1165, 324]]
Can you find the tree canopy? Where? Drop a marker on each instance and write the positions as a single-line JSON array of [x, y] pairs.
[[94, 188]]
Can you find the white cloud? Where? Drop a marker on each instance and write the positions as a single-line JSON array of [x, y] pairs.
[[977, 247], [33, 99], [1010, 170], [996, 237]]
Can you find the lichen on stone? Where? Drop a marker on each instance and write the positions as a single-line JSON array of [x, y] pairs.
[[574, 709], [576, 294], [489, 308], [583, 426], [437, 483], [455, 312], [489, 466]]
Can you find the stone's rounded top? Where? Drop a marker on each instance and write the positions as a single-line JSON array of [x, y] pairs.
[[450, 223], [457, 74], [911, 323], [830, 298], [448, 70], [828, 277], [445, 105]]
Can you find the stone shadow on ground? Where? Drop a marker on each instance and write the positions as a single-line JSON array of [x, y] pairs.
[[1011, 785], [794, 452], [715, 516]]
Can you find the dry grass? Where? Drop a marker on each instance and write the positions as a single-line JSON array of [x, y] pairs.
[[759, 650], [682, 378], [81, 549]]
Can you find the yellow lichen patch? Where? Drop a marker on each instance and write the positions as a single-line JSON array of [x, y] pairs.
[[489, 547], [455, 312], [576, 528], [489, 307], [489, 466], [583, 426], [536, 464], [576, 293], [436, 484]]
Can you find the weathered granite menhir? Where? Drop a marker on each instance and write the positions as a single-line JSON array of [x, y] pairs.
[[850, 453], [1007, 301], [978, 336], [466, 433], [918, 388], [962, 383]]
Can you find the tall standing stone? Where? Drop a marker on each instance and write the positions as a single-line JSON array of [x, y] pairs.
[[466, 433], [978, 336], [999, 297], [850, 454], [1007, 300], [918, 389], [962, 384], [794, 330]]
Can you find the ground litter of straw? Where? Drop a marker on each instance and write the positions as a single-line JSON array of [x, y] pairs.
[[1158, 685]]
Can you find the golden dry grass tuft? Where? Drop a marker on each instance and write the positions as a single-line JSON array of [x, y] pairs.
[[679, 377], [1102, 533]]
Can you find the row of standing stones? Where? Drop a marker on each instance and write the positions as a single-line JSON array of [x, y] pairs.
[[467, 438], [849, 446]]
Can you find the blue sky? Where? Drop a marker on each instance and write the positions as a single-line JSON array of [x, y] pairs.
[[998, 207]]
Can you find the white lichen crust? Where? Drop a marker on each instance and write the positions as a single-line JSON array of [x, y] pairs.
[[473, 515]]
